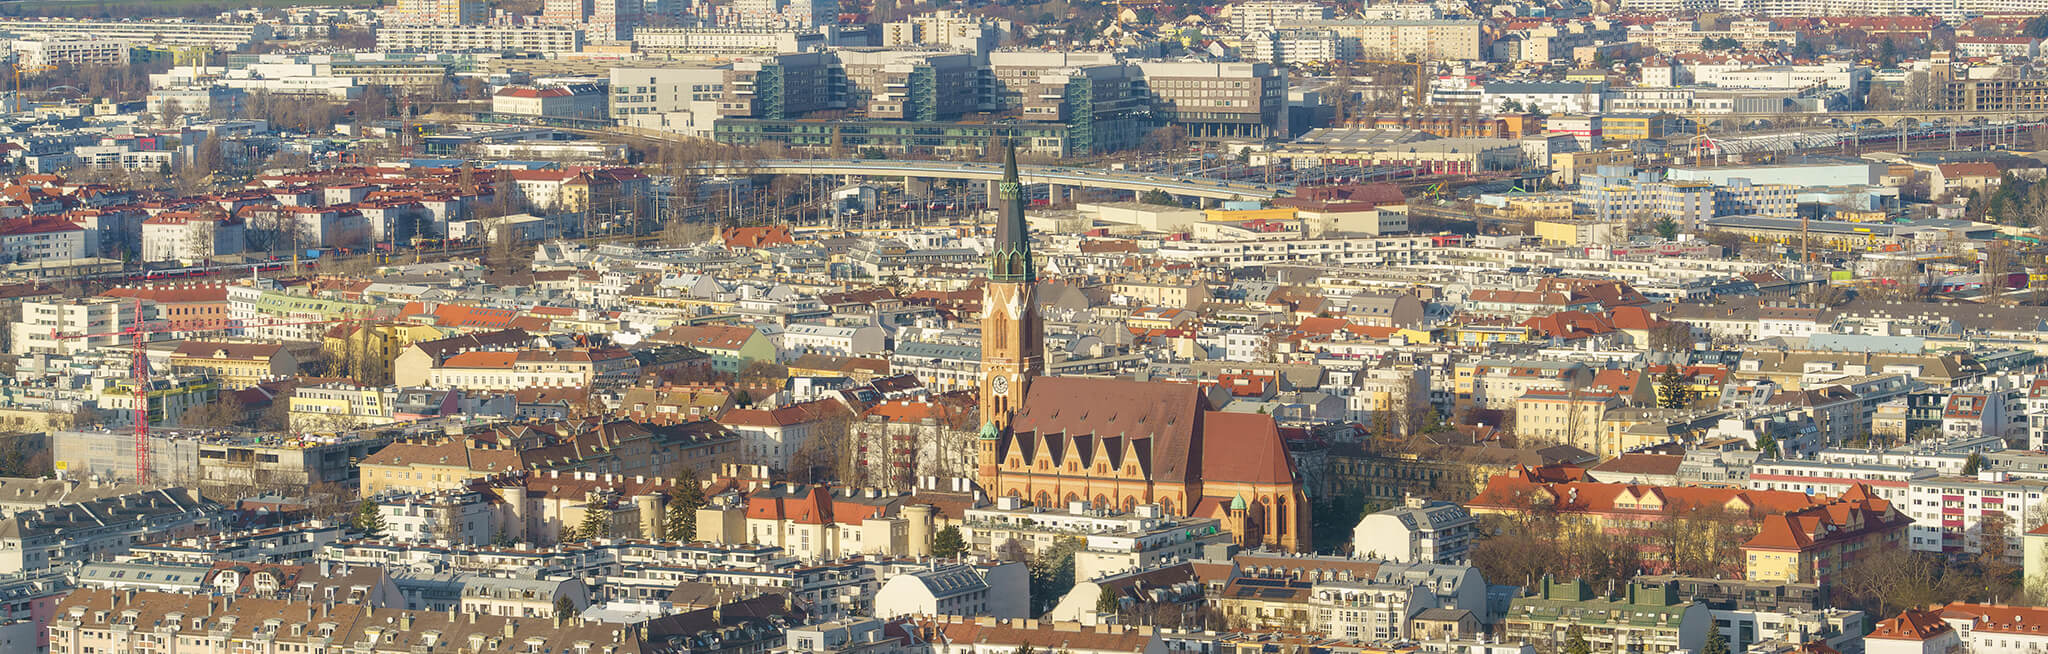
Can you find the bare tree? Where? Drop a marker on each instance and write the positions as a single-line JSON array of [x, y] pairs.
[[172, 112]]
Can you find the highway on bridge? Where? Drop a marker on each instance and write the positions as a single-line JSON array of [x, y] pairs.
[[1057, 176]]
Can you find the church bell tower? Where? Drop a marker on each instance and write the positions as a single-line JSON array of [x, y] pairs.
[[1012, 336]]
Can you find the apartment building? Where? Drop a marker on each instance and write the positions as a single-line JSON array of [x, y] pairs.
[[54, 50], [1960, 515], [1406, 40], [909, 85], [234, 365], [697, 41], [191, 237], [1418, 531], [541, 39], [1647, 618], [562, 368], [1889, 482], [997, 590], [225, 36], [339, 406], [1815, 544], [438, 12], [1117, 541], [97, 322], [1218, 101], [61, 534], [104, 621], [1262, 15]]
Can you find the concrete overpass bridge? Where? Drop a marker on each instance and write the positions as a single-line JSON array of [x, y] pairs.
[[1061, 179], [1859, 119]]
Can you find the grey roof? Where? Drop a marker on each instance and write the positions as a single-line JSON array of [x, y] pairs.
[[158, 574], [937, 350], [952, 580]]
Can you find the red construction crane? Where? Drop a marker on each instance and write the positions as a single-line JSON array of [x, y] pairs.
[[139, 369]]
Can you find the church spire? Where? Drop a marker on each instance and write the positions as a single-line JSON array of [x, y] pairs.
[[1010, 259]]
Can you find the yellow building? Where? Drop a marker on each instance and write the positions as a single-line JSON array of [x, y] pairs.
[[341, 406], [1564, 417], [386, 340], [1641, 127], [430, 467], [1483, 334], [1163, 295], [1239, 215], [1571, 232], [235, 365], [1567, 167], [1160, 318]]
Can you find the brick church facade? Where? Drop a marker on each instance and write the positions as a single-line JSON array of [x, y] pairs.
[[1116, 443]]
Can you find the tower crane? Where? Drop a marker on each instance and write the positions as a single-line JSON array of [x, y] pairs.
[[137, 332]]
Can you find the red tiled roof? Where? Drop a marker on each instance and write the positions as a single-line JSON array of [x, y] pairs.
[[1244, 447], [1911, 624], [481, 360], [758, 237]]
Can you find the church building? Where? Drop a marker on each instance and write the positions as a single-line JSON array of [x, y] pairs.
[[1110, 442]]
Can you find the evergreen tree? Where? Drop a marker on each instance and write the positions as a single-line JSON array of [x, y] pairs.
[[564, 607], [596, 523], [1107, 602], [1577, 644], [1973, 464], [369, 521], [948, 543], [1671, 391], [683, 503], [1716, 643], [1767, 445]]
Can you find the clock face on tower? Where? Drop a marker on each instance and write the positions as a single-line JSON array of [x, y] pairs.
[[1000, 385]]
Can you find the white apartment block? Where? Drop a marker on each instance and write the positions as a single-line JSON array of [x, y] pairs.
[[1949, 513], [461, 518], [543, 39], [438, 12], [1396, 40], [104, 318], [1262, 15], [682, 100], [1366, 610], [673, 41], [1891, 483], [52, 50], [836, 340], [229, 36]]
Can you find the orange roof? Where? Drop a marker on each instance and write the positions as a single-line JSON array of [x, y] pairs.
[[1514, 492], [800, 503], [1253, 452], [481, 360], [1911, 625], [1998, 618], [758, 237]]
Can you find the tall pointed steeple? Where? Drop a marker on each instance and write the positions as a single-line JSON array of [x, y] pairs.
[[1010, 259], [1012, 334]]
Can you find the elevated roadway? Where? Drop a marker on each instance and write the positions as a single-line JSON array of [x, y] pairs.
[[1061, 178]]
